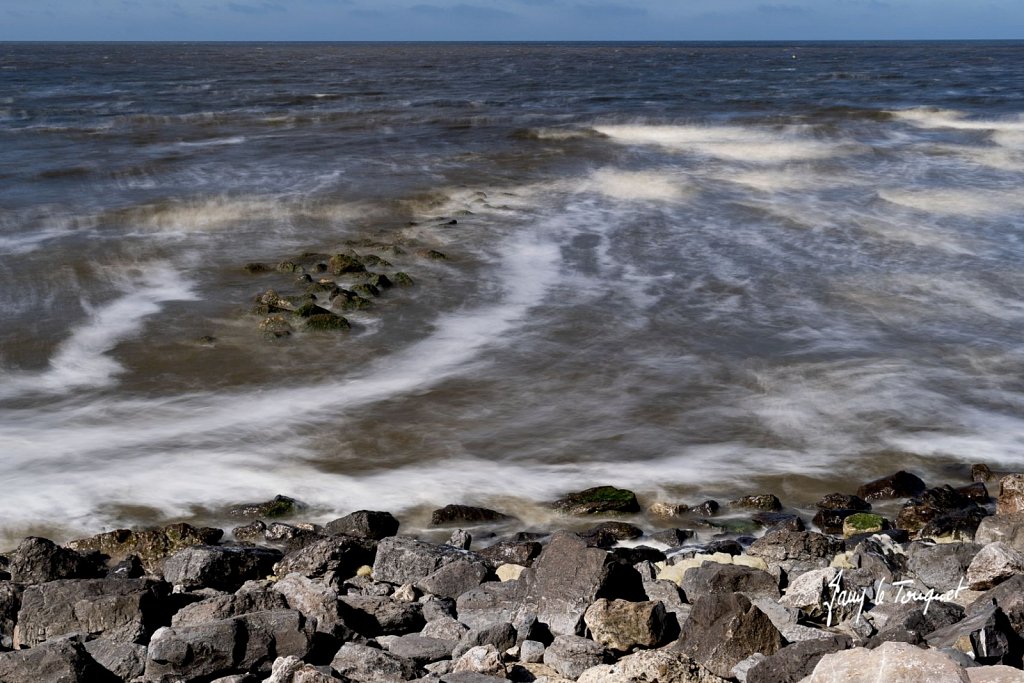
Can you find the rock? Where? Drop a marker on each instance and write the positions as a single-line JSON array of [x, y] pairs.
[[495, 603], [1011, 495], [512, 552], [621, 625], [708, 508], [986, 636], [531, 651], [714, 578], [831, 521], [326, 322], [62, 660], [778, 520], [796, 547], [673, 537], [666, 665], [220, 567], [123, 610], [342, 555], [402, 279], [864, 523], [370, 665], [254, 531], [993, 564], [341, 264], [940, 566], [994, 674], [124, 660], [607, 534], [314, 599], [810, 592], [955, 525], [763, 501], [220, 607], [365, 524], [909, 624], [10, 603], [294, 670], [638, 554], [461, 539], [149, 545], [571, 655], [483, 659], [667, 510], [405, 560], [38, 560], [465, 514], [421, 650], [843, 501], [365, 290], [291, 536], [668, 594], [279, 506], [570, 576], [347, 300], [501, 636], [891, 662], [455, 578], [406, 593], [374, 616], [902, 484], [473, 677], [444, 628], [1009, 596], [1007, 528], [598, 500], [725, 629], [976, 492], [379, 281], [794, 662]]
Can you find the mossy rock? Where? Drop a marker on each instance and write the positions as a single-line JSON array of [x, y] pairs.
[[374, 260], [339, 264], [434, 254], [290, 267], [151, 544], [269, 302], [402, 279], [257, 268], [365, 290], [597, 500], [310, 309], [349, 301], [864, 523], [275, 324], [280, 506], [328, 321], [764, 501], [322, 286], [379, 281]]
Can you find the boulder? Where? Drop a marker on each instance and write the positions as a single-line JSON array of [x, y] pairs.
[[940, 566], [365, 524], [993, 564], [955, 525], [501, 636], [902, 484], [496, 603], [62, 660], [338, 554], [375, 616], [421, 650], [673, 537], [149, 545], [1009, 596], [811, 593], [341, 264], [365, 664], [622, 626], [831, 520], [796, 548], [714, 578], [1007, 528], [279, 506], [291, 536], [253, 532], [314, 599], [607, 534], [725, 629], [666, 665], [794, 662], [38, 560], [531, 651], [127, 661], [907, 623], [219, 607], [890, 662], [512, 552], [994, 674], [220, 567], [465, 514], [405, 560], [123, 610], [598, 500], [571, 655], [864, 523], [455, 578], [1011, 494], [10, 603], [763, 501], [445, 628], [843, 501], [293, 670], [483, 659], [668, 594], [986, 636]]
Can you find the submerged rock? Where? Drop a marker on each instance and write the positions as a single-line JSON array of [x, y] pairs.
[[902, 484], [465, 514], [764, 501], [280, 506], [598, 500], [340, 264]]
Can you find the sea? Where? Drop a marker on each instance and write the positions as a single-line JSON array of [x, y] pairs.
[[693, 270]]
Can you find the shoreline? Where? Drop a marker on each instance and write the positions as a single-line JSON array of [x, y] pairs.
[[358, 600]]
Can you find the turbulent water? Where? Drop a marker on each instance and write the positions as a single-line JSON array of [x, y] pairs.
[[694, 270]]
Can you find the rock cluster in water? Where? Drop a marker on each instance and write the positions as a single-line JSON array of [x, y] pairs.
[[936, 594]]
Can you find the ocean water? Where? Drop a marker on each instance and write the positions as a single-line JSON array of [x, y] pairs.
[[694, 270]]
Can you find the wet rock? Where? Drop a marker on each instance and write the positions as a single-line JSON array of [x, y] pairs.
[[220, 567], [218, 607], [986, 636], [976, 492], [465, 514], [622, 626], [270, 302], [708, 508], [403, 279], [902, 484], [763, 501], [725, 629], [379, 281], [571, 655], [124, 610], [1011, 495], [254, 531], [778, 519], [291, 536], [501, 636], [37, 560], [1006, 528], [455, 578], [831, 521], [598, 500], [326, 322], [993, 564], [365, 290], [375, 616], [276, 327], [940, 566], [637, 554], [433, 254], [890, 662], [796, 547], [673, 537], [375, 261], [981, 472], [667, 510], [280, 506], [521, 553], [421, 650], [149, 545], [714, 578], [338, 554], [347, 300], [607, 534], [864, 523], [666, 665], [728, 546], [257, 268], [125, 660], [341, 264], [369, 665], [461, 539], [405, 560], [62, 660], [955, 525], [365, 524], [843, 501]]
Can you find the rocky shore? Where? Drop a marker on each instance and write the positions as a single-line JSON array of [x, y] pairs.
[[936, 593]]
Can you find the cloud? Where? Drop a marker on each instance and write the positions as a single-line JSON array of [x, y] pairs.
[[262, 8], [609, 11], [475, 12]]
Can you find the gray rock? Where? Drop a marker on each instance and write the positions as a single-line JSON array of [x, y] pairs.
[[763, 501], [62, 660], [890, 662], [461, 539], [482, 659], [421, 650], [571, 655], [455, 578], [986, 636], [465, 514], [375, 616], [314, 599], [908, 624], [899, 485], [1009, 596], [38, 560], [124, 610], [993, 564], [227, 606], [673, 537], [342, 555], [713, 577], [1011, 494], [291, 536], [787, 620], [10, 603], [666, 665], [365, 524], [531, 651], [124, 660], [370, 665], [512, 552], [725, 629], [501, 636], [811, 592], [598, 500], [495, 603], [294, 670], [445, 628], [471, 677], [404, 560], [435, 607], [621, 625], [222, 567], [1008, 528], [940, 566], [668, 594], [796, 548]]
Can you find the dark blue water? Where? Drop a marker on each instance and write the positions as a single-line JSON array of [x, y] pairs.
[[692, 269]]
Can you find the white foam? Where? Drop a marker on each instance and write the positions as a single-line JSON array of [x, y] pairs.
[[977, 203], [636, 185], [951, 118], [731, 143]]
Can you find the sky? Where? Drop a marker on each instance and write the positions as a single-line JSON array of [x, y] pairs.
[[510, 19]]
